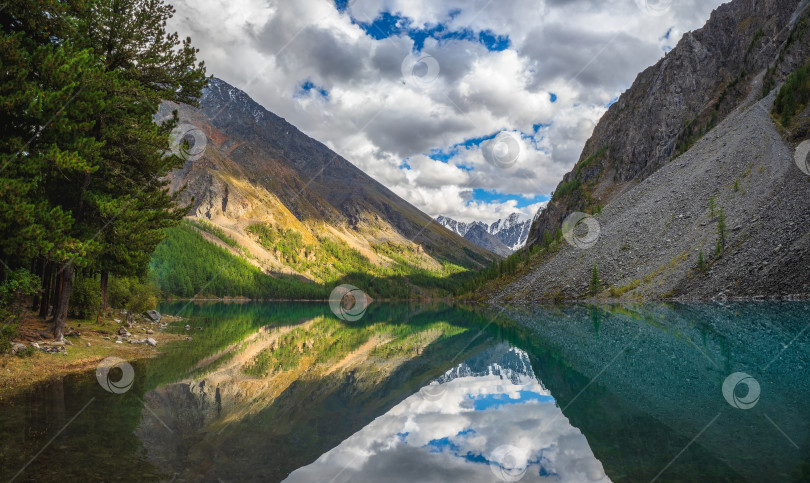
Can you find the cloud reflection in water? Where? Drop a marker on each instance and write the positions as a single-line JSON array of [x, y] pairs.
[[492, 414]]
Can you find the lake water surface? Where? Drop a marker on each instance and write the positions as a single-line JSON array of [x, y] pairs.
[[286, 391]]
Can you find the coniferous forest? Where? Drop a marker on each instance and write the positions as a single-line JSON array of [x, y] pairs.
[[83, 164]]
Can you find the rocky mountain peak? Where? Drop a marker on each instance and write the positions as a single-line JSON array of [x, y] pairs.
[[675, 102], [511, 231]]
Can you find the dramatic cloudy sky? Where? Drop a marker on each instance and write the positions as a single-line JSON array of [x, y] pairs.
[[469, 108]]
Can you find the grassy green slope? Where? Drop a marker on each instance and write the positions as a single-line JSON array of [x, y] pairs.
[[187, 265]]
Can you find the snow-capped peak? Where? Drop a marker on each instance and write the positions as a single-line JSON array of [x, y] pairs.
[[512, 231]]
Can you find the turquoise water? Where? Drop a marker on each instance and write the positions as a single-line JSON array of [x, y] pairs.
[[268, 392]]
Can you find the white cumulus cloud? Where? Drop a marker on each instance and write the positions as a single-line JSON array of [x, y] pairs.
[[584, 53]]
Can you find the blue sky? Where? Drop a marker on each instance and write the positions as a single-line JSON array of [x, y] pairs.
[[386, 25]]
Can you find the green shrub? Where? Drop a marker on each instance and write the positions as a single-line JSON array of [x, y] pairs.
[[143, 297], [567, 187], [118, 292], [7, 333], [20, 284], [132, 294], [85, 299], [266, 233], [793, 96], [213, 229]]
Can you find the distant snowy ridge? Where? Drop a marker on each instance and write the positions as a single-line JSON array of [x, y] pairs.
[[507, 363], [512, 231]]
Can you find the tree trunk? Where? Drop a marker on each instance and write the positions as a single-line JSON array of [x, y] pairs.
[[57, 288], [104, 278], [47, 275], [61, 311], [38, 268]]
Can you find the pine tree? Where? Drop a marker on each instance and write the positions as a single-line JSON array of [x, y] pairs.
[[721, 232], [83, 168], [146, 66], [596, 282], [47, 102]]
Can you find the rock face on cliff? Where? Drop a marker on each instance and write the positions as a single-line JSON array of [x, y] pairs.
[[675, 102], [692, 138], [479, 235], [255, 175]]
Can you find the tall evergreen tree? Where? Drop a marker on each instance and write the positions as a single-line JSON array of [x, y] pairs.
[[147, 67], [48, 96], [128, 198], [83, 163], [596, 282]]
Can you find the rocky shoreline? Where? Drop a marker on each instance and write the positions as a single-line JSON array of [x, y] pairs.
[[35, 357]]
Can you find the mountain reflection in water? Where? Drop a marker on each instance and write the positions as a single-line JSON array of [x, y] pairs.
[[487, 419], [569, 393]]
